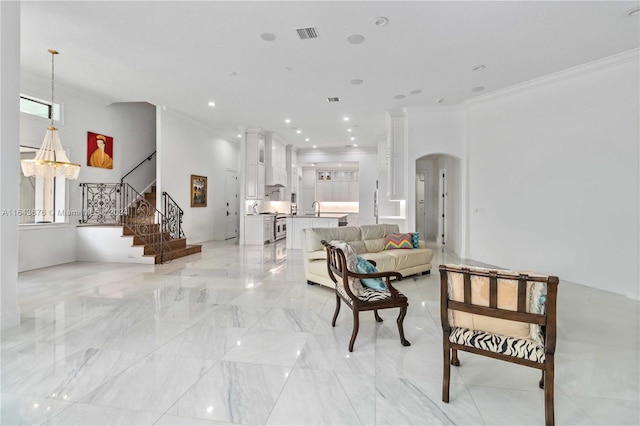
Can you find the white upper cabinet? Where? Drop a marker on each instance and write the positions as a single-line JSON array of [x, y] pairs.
[[396, 155], [275, 160], [340, 185], [255, 168]]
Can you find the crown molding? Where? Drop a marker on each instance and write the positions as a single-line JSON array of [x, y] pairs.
[[590, 67]]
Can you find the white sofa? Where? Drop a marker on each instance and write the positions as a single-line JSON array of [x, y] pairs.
[[369, 241]]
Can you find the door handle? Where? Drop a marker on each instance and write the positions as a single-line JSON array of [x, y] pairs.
[[227, 213]]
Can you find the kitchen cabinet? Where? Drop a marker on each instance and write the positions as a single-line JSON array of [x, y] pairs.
[[341, 185], [258, 229], [275, 160], [255, 167], [396, 124], [292, 171], [295, 225]]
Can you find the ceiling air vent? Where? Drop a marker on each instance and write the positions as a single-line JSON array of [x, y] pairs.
[[336, 99], [307, 33]]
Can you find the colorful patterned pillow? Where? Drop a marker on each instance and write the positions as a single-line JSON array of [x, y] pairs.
[[364, 267], [398, 241], [415, 239]]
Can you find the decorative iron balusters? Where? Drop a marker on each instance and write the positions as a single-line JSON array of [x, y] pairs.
[[119, 204], [173, 216]]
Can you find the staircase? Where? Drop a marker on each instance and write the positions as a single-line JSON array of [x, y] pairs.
[[119, 224], [140, 226]]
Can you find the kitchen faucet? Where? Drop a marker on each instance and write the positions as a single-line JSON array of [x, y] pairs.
[[313, 206], [254, 208]]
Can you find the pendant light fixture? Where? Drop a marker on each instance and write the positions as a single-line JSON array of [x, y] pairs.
[[50, 160]]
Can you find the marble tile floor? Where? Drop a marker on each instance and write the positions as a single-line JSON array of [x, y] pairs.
[[234, 335]]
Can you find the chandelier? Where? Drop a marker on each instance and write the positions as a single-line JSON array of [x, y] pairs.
[[51, 160]]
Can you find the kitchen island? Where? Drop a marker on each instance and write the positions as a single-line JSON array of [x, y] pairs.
[[296, 223]]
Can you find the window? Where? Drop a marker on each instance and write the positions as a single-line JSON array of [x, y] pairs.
[[39, 108], [41, 200]]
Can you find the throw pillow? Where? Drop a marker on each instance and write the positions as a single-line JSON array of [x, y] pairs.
[[415, 239], [364, 267], [398, 241]]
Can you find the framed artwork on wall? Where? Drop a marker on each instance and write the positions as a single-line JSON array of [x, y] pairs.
[[198, 191], [99, 150]]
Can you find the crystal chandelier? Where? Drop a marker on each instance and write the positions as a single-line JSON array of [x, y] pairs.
[[50, 160]]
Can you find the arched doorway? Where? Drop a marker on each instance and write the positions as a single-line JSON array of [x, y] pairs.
[[439, 200]]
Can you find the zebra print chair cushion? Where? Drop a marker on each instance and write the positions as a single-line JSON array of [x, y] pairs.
[[366, 294], [520, 348]]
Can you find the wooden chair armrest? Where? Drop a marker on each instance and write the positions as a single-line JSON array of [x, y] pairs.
[[387, 277]]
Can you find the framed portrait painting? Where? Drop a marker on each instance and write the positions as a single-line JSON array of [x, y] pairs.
[[198, 191], [99, 150]]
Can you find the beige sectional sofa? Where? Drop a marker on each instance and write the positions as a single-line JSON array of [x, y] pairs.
[[369, 241]]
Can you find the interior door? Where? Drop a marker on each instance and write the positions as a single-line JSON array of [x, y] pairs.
[[231, 195]]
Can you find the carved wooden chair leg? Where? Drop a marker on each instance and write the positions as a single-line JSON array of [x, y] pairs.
[[403, 312], [375, 313], [446, 372], [335, 314], [454, 358], [356, 325], [541, 382]]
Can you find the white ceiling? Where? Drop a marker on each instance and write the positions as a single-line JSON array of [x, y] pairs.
[[182, 54]]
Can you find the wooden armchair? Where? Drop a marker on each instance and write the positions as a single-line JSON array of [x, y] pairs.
[[358, 297], [505, 315]]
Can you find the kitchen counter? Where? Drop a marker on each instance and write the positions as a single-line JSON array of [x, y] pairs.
[[322, 215], [295, 225]]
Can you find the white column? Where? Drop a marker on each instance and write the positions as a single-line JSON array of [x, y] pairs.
[[9, 160]]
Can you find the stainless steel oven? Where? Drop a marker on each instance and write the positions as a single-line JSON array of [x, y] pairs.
[[280, 230]]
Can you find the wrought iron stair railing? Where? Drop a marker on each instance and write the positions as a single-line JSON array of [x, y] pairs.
[[120, 204], [173, 216]]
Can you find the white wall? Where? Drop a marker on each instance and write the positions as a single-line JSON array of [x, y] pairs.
[[185, 148], [135, 125], [554, 170], [132, 126], [434, 131], [10, 155], [367, 174]]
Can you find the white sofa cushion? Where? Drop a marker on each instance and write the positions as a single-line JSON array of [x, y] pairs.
[[349, 234]]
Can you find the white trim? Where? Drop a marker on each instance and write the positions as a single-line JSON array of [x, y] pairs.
[[595, 66]]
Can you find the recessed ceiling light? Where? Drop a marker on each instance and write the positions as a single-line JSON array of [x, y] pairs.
[[381, 21], [355, 144], [306, 139], [352, 138], [267, 36], [416, 92], [478, 89], [298, 131], [286, 120], [239, 135], [356, 81], [345, 118], [348, 130], [355, 39], [211, 103], [398, 97], [439, 100], [634, 12], [479, 67], [314, 146]]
